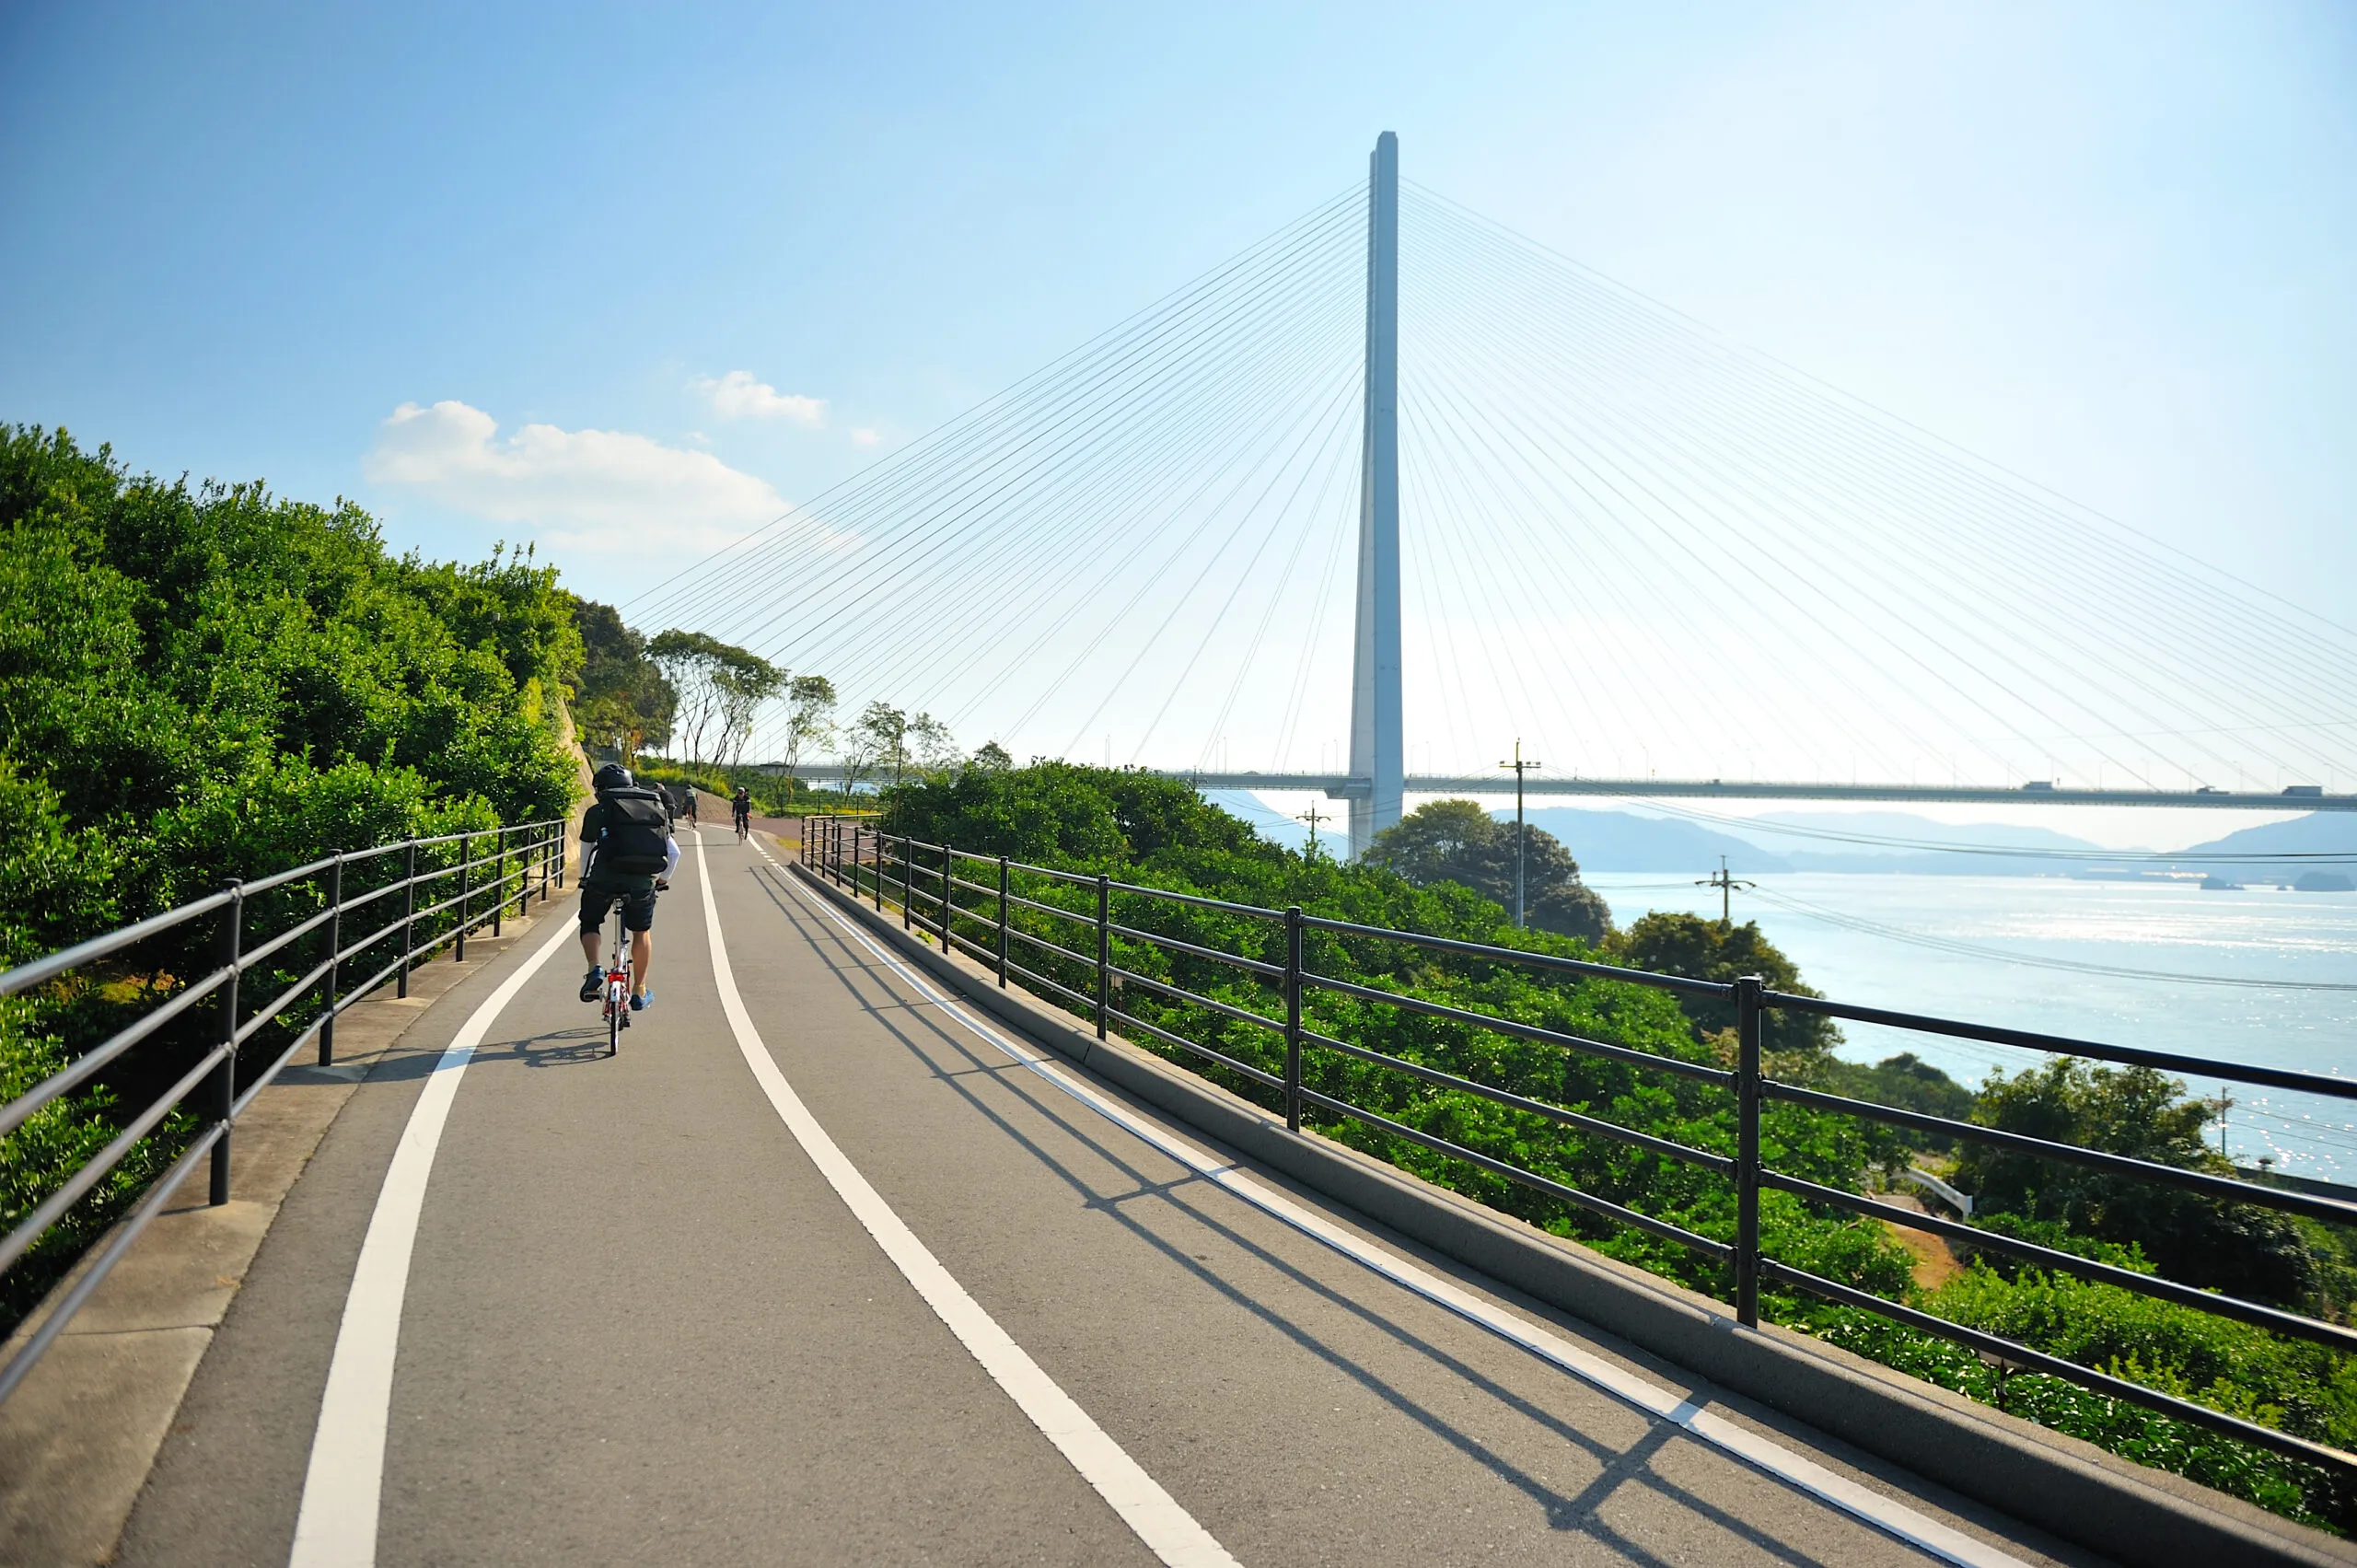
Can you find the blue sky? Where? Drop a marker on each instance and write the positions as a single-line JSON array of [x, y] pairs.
[[2107, 245], [622, 280]]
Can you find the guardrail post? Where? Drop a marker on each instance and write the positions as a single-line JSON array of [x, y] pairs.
[[335, 958], [1001, 922], [855, 830], [879, 871], [225, 1077], [466, 894], [1104, 949], [1746, 1151], [908, 881], [948, 870], [409, 914], [499, 874], [1293, 1017]]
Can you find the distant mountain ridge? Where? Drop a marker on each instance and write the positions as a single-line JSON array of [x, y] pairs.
[[1624, 841]]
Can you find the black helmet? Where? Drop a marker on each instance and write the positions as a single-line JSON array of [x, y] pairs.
[[610, 777]]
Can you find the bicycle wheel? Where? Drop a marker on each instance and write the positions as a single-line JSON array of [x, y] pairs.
[[617, 994]]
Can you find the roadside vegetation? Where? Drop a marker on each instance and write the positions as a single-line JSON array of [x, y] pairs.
[[1157, 832], [202, 682]]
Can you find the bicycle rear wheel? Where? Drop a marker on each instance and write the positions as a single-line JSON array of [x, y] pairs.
[[617, 998]]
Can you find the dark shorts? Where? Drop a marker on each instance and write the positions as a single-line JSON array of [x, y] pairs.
[[638, 908]]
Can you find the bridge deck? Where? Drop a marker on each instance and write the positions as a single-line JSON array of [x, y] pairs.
[[641, 1326]]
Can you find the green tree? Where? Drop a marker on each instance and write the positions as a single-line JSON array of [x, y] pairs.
[[809, 719], [199, 682], [1669, 943], [2136, 1111], [879, 743], [745, 681], [623, 699], [1456, 840], [1907, 1082], [931, 745], [720, 686]]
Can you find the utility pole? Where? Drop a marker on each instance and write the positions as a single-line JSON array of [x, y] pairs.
[[1520, 766], [1726, 886], [1313, 817]]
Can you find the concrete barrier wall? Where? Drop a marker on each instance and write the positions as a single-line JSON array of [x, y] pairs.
[[2072, 1489]]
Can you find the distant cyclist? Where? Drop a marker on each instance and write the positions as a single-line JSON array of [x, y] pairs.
[[740, 805], [628, 854]]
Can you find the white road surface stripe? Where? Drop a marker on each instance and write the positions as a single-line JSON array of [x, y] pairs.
[[1168, 1530], [1886, 1513], [342, 1490]]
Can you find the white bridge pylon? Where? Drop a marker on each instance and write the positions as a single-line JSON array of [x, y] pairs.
[[1378, 751]]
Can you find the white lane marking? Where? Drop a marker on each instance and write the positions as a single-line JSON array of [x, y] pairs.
[[337, 1525], [1893, 1517], [1168, 1530]]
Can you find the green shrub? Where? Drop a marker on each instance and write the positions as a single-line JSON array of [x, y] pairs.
[[199, 684]]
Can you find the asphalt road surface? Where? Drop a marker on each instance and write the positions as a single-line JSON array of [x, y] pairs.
[[893, 1298]]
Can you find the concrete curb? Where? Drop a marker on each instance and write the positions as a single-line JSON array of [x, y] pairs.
[[2133, 1515]]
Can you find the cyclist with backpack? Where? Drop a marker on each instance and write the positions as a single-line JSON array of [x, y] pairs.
[[740, 805], [628, 854]]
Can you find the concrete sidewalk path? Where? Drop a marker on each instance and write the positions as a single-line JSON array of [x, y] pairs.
[[642, 1321]]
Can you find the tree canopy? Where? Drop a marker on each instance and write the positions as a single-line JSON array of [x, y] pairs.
[[721, 688], [1456, 840], [200, 682], [623, 699], [2144, 1114], [1669, 942]]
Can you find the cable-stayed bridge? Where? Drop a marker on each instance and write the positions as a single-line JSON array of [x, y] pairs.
[[1396, 454]]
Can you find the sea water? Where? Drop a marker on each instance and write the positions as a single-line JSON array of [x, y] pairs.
[[1895, 941]]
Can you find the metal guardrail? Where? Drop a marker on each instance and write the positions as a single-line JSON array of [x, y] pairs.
[[523, 860], [860, 858]]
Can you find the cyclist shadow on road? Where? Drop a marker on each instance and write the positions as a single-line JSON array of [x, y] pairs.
[[557, 1048]]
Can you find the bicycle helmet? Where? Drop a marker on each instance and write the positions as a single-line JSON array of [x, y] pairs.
[[612, 776]]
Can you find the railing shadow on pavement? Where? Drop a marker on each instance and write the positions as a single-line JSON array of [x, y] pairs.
[[1018, 909], [1581, 1513]]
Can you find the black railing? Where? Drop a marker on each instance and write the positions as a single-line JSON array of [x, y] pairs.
[[856, 856], [202, 1047]]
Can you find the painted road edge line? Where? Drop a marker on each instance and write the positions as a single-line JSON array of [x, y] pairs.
[[1889, 1515], [336, 1527], [1167, 1529]]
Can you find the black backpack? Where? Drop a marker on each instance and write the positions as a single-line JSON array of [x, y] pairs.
[[636, 842]]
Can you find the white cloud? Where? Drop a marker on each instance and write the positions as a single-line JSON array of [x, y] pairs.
[[738, 396], [597, 490], [862, 436]]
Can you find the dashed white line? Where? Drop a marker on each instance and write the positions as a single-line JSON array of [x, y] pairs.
[[1167, 1529], [336, 1526], [1893, 1517]]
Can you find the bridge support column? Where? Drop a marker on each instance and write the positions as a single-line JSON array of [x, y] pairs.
[[1379, 755]]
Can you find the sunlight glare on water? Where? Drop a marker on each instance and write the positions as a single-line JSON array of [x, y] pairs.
[[2256, 933]]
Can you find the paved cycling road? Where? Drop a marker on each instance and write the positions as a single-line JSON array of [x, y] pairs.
[[642, 1321]]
